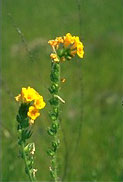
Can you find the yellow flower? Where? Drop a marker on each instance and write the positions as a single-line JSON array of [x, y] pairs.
[[20, 97], [28, 94], [59, 39], [33, 112], [54, 57], [68, 39], [76, 39], [71, 45], [77, 48], [75, 43], [39, 103], [80, 51], [36, 102], [53, 43]]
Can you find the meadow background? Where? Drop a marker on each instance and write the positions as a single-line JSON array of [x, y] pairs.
[[91, 126]]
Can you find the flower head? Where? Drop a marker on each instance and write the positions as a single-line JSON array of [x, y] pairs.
[[68, 39], [80, 51], [39, 102], [66, 47], [59, 40], [33, 112], [33, 101], [29, 94], [53, 43]]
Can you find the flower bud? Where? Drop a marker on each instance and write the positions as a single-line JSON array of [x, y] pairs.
[[50, 132], [54, 101], [60, 52], [68, 58], [34, 171], [52, 116], [55, 126], [30, 148], [50, 152], [55, 110], [54, 88], [54, 145], [54, 76]]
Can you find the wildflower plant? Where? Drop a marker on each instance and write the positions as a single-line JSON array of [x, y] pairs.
[[30, 104], [64, 49]]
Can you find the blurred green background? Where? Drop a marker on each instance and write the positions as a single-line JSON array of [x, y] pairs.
[[91, 127]]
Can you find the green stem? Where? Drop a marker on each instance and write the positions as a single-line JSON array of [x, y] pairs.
[[24, 133], [55, 72], [55, 162], [26, 165], [56, 135], [54, 115]]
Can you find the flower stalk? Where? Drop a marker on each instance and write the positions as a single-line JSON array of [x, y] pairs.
[[28, 111], [54, 116], [64, 49], [26, 150], [26, 164]]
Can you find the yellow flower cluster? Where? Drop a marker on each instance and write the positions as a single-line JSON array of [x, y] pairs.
[[69, 43], [30, 95]]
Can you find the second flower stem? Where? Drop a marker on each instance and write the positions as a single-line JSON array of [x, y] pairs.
[[26, 165], [54, 115]]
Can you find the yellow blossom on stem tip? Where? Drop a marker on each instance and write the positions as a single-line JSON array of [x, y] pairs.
[[68, 39], [59, 39], [39, 103], [77, 48], [80, 51], [53, 43], [29, 94], [76, 41], [33, 112], [69, 47], [33, 100]]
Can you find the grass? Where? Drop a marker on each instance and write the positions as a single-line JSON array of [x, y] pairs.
[[98, 153]]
